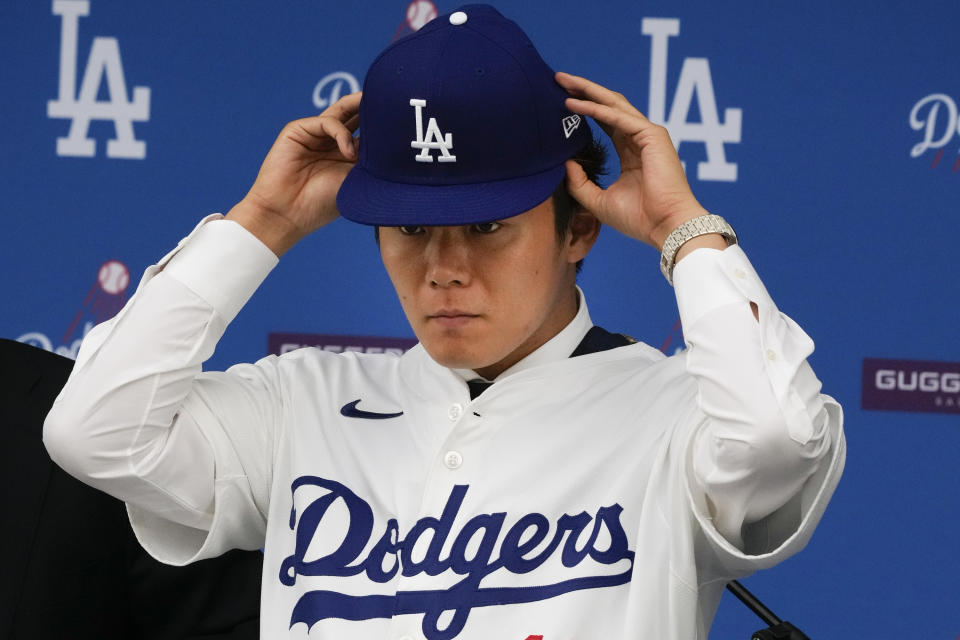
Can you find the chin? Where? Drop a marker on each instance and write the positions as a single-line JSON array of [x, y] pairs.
[[453, 360], [455, 356]]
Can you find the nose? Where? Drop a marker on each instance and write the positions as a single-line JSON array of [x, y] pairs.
[[447, 257]]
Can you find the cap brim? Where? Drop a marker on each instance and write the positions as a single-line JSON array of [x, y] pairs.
[[369, 200]]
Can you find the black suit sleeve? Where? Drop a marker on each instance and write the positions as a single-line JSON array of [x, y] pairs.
[[73, 567]]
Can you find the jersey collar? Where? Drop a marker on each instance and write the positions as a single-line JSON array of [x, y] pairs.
[[559, 347]]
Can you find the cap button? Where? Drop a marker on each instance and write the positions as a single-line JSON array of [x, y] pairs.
[[458, 17]]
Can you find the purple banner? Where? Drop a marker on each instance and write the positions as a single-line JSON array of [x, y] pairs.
[[911, 385], [280, 343]]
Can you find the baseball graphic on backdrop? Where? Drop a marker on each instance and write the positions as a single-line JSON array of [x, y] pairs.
[[420, 12], [113, 277]]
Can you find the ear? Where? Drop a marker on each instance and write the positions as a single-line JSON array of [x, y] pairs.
[[584, 229]]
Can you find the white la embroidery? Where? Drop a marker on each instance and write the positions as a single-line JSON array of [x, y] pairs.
[[435, 138]]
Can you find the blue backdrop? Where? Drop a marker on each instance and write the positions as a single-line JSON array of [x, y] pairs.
[[826, 132]]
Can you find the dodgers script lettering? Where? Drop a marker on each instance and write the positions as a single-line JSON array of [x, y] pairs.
[[937, 131], [521, 551]]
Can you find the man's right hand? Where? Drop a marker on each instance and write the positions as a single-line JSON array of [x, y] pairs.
[[295, 192]]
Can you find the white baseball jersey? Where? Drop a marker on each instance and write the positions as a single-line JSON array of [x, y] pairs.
[[568, 501]]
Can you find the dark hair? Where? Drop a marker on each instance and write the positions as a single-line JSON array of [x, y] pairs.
[[593, 158]]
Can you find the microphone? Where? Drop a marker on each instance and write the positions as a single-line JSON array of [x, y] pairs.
[[778, 629]]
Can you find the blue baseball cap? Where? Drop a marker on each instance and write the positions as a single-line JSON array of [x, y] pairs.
[[461, 122]]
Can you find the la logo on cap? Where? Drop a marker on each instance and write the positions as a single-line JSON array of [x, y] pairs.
[[435, 138]]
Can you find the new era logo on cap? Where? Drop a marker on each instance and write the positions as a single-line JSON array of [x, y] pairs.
[[570, 124], [471, 79]]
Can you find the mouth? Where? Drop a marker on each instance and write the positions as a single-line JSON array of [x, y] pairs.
[[452, 317]]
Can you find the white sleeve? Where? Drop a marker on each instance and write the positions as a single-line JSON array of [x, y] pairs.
[[131, 420], [768, 428]]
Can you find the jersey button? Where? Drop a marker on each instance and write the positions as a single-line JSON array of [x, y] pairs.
[[456, 410], [452, 459]]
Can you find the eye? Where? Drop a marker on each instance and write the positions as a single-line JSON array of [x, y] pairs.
[[486, 227], [410, 230]]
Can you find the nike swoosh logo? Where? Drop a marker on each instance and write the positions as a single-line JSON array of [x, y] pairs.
[[350, 411]]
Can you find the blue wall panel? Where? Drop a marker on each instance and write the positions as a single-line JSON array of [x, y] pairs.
[[854, 235]]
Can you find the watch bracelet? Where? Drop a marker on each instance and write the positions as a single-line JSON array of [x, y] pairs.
[[699, 226]]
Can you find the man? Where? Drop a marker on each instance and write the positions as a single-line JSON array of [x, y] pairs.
[[594, 489]]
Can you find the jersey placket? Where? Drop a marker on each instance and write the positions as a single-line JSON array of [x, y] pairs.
[[454, 463]]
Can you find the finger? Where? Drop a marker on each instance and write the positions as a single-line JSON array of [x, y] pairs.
[[352, 123], [585, 89], [344, 108], [343, 135], [583, 190], [606, 128], [316, 134], [573, 84], [614, 118]]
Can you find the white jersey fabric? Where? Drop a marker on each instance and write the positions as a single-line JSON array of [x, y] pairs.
[[611, 495]]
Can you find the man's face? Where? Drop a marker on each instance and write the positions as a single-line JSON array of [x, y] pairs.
[[484, 296]]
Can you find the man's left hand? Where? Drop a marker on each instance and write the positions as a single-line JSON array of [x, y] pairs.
[[651, 197]]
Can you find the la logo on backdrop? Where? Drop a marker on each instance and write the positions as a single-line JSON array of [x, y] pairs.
[[103, 64], [694, 78]]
